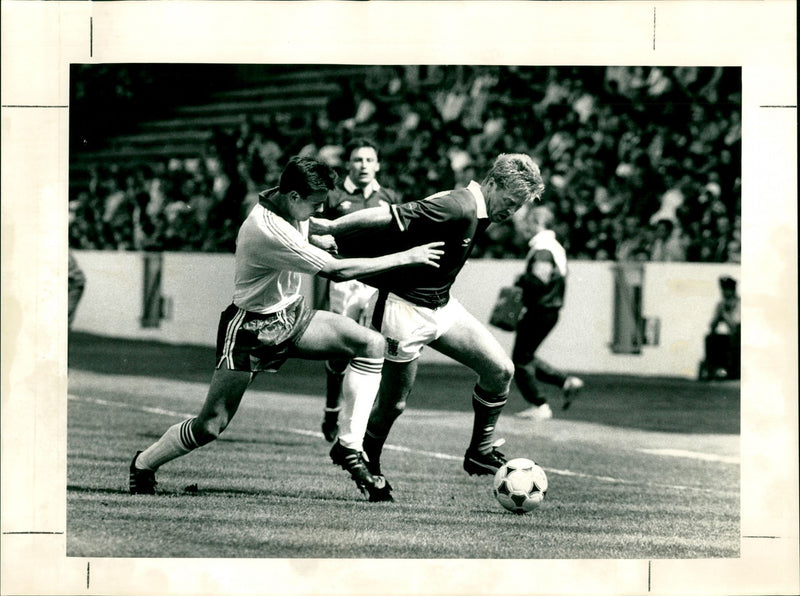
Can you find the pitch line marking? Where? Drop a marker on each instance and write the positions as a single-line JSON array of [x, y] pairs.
[[725, 459], [433, 454], [116, 404]]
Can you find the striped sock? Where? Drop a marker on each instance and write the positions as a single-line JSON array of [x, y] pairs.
[[487, 408], [178, 440], [359, 388]]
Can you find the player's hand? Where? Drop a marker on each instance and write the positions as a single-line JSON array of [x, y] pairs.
[[427, 254], [326, 243], [319, 226]]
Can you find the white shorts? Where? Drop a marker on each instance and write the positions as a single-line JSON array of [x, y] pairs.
[[350, 298], [407, 328]]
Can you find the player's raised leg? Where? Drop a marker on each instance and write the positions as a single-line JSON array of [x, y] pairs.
[[467, 341]]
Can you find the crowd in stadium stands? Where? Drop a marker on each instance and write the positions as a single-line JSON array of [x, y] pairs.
[[641, 163]]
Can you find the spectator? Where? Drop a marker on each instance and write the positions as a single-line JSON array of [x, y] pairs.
[[617, 142], [723, 342], [667, 244]]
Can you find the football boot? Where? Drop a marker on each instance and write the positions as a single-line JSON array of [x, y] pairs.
[[484, 464], [542, 412], [381, 491], [352, 461], [570, 390], [141, 482]]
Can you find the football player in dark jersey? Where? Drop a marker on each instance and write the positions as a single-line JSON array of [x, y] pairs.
[[415, 310]]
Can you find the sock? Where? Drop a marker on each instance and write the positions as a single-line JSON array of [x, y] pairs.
[[359, 388], [335, 374], [178, 440], [381, 420], [487, 408], [373, 446]]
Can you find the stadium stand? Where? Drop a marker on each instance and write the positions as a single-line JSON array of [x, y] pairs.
[[171, 157]]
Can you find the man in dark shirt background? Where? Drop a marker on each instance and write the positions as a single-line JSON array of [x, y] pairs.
[[360, 189], [543, 285]]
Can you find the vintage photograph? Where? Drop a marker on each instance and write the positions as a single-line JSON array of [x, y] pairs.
[[408, 299], [604, 201]]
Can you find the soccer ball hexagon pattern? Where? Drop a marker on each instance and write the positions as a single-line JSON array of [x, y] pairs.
[[520, 485]]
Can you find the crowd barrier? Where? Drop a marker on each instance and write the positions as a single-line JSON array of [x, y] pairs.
[[636, 318]]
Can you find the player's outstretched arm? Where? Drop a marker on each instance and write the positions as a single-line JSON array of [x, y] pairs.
[[374, 217], [344, 269], [326, 243]]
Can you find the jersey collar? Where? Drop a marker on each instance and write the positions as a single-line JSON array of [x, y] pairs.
[[372, 187], [265, 195], [475, 189]]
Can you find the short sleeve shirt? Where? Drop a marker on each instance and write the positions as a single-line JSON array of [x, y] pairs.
[[271, 255], [345, 199], [348, 198], [454, 217]]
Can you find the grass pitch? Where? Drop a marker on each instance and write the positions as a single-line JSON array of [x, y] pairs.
[[638, 468]]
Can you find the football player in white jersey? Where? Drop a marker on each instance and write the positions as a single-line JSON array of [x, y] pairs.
[[269, 322]]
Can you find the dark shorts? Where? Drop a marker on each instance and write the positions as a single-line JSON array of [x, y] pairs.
[[253, 342]]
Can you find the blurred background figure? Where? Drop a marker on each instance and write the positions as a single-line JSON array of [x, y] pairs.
[[723, 347], [667, 244], [76, 284], [359, 189], [543, 285], [76, 280]]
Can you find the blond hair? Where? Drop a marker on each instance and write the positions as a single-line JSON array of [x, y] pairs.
[[518, 174]]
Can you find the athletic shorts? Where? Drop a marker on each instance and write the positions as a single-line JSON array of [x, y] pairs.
[[407, 328], [253, 342], [350, 298]]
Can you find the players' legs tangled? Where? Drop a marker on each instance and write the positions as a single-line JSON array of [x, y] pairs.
[[396, 384], [326, 335], [348, 298], [330, 334]]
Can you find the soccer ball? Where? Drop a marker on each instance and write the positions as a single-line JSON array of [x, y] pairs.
[[520, 485]]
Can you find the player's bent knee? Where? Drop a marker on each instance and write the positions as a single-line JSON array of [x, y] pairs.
[[371, 345], [337, 365], [499, 377], [507, 371]]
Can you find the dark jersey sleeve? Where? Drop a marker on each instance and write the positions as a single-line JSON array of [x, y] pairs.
[[446, 217], [436, 209]]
